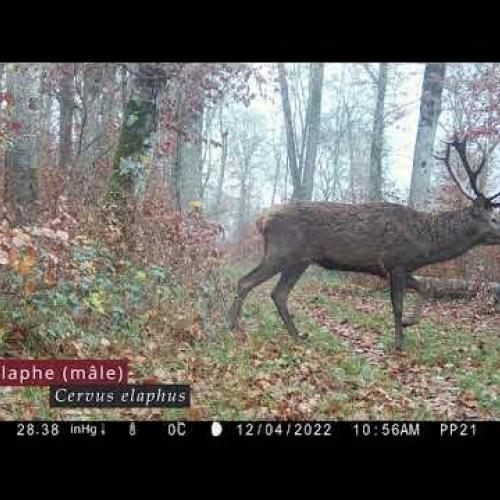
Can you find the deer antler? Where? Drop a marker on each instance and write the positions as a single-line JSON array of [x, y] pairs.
[[446, 161], [491, 198], [461, 148]]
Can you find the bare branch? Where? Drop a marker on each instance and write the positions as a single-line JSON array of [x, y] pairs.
[[370, 72]]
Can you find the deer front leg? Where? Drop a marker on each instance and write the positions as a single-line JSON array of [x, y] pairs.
[[398, 285]]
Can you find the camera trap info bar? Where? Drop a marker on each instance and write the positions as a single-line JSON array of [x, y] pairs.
[[124, 396]]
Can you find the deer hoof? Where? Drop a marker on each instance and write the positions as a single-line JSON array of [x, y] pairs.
[[409, 322], [399, 349]]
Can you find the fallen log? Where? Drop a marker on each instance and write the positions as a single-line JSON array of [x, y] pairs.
[[457, 288]]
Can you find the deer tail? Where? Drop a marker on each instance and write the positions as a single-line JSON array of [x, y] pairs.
[[261, 224]]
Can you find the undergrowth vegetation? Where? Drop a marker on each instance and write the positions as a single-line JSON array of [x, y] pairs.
[[172, 333]]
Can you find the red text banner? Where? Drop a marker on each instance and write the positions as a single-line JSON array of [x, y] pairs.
[[47, 372]]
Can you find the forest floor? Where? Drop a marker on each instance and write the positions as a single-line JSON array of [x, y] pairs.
[[346, 369]]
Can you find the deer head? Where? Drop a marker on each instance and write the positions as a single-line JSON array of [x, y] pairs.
[[486, 218]]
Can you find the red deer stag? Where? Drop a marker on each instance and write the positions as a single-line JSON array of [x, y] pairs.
[[382, 239]]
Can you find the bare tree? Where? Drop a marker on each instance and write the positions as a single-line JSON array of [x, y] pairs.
[[430, 109], [223, 160], [190, 151], [302, 160], [313, 117], [47, 135], [91, 104], [134, 144], [66, 108], [290, 132], [378, 135], [276, 146], [248, 138], [21, 160], [108, 107]]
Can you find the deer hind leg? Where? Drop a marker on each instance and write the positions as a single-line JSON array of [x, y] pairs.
[[413, 284], [265, 270], [289, 278], [398, 287]]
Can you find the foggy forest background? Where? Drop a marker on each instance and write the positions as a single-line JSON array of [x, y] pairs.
[[236, 138], [229, 140]]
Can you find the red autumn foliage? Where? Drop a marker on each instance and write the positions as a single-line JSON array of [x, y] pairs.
[[476, 91]]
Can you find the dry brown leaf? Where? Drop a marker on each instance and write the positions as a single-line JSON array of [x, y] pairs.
[[62, 235], [195, 413], [30, 287], [18, 242], [13, 257], [26, 264], [4, 258], [4, 226], [50, 277], [48, 233]]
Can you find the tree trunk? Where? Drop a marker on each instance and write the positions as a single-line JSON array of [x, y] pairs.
[[277, 172], [109, 109], [175, 170], [312, 127], [247, 150], [242, 207], [190, 153], [66, 108], [285, 184], [430, 109], [21, 160], [134, 140], [455, 288], [93, 80], [303, 175], [290, 134], [353, 173], [378, 137], [2, 158], [45, 137], [223, 160]]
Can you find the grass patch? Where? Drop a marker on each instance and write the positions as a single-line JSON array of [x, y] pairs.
[[262, 373]]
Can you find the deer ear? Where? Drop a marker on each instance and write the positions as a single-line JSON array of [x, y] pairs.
[[487, 204], [481, 203], [478, 208]]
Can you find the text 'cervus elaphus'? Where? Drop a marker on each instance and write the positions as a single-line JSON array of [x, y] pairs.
[[383, 239]]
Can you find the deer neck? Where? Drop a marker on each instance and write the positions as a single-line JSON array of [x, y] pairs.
[[450, 234]]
